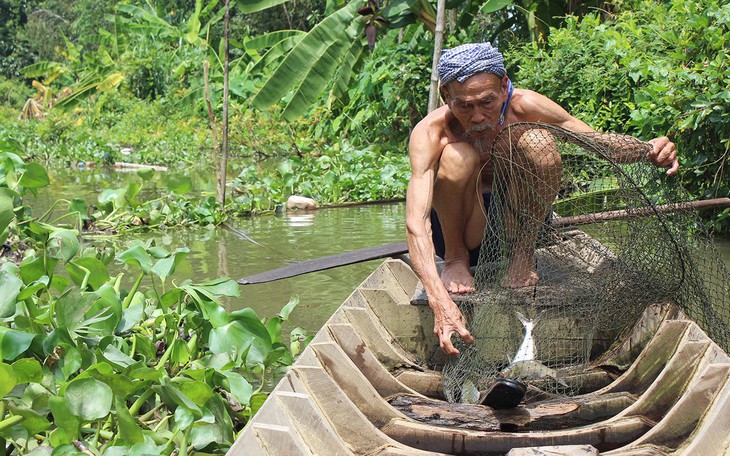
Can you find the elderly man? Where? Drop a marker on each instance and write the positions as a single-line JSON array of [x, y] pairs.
[[448, 149]]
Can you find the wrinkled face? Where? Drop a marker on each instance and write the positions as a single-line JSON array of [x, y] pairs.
[[477, 102]]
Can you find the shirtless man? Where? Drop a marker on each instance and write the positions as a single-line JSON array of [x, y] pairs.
[[447, 150]]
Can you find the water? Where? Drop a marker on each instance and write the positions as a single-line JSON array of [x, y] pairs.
[[288, 238]]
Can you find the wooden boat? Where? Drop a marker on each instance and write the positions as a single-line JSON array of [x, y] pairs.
[[363, 387]]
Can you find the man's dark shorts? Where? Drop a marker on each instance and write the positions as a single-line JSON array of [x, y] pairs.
[[438, 235]]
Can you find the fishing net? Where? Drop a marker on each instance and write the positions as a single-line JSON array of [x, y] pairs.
[[608, 233]]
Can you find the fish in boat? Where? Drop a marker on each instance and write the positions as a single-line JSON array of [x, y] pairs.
[[525, 365]]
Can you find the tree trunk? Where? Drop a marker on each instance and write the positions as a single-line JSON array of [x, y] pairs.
[[209, 105], [433, 94], [224, 150]]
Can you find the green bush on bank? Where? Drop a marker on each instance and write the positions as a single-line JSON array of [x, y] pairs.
[[633, 75]]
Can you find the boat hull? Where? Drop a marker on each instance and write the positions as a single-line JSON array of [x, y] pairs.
[[364, 386]]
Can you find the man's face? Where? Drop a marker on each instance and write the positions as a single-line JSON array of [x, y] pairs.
[[477, 102]]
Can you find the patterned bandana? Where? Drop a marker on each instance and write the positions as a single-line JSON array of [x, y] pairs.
[[462, 62]]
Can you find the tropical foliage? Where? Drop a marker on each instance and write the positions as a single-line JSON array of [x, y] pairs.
[[97, 358], [629, 75]]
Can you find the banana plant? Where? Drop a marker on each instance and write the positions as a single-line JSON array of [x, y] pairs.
[[328, 54]]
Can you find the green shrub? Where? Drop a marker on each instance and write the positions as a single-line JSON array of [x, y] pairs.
[[631, 75]]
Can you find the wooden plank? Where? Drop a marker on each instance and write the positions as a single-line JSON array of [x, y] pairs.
[[311, 425], [652, 359], [544, 415], [361, 355], [603, 436], [554, 450], [678, 424], [280, 440], [333, 261]]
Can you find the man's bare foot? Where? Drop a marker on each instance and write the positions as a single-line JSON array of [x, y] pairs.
[[457, 278], [521, 273]]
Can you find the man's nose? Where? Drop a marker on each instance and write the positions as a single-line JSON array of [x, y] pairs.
[[478, 116]]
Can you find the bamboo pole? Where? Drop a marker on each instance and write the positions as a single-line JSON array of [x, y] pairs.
[[224, 152], [433, 95], [209, 105]]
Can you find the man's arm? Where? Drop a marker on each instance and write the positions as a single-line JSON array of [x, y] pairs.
[[539, 108], [448, 319]]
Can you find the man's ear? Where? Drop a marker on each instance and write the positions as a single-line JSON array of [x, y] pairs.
[[447, 95], [505, 83]]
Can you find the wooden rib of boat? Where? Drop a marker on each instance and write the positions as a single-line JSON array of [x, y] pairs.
[[362, 387]]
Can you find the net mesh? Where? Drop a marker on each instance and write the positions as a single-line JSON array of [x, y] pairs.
[[608, 234]]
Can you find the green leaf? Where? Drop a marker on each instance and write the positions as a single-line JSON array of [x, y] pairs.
[[268, 40], [6, 208], [88, 270], [198, 392], [72, 307], [63, 417], [13, 342], [177, 397], [63, 244], [8, 379], [183, 417], [238, 386], [28, 370], [34, 176], [166, 266], [129, 430], [491, 6], [253, 6], [178, 184], [289, 308], [273, 326], [78, 205], [65, 450], [131, 316], [10, 286], [146, 173], [308, 67], [179, 353], [88, 398], [34, 422], [117, 198], [137, 255], [117, 357]]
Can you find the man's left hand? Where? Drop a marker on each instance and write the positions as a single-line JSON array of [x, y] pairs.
[[664, 154]]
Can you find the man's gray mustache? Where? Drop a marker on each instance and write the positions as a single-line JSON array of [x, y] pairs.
[[479, 128]]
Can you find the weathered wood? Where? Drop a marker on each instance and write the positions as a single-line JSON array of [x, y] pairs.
[[673, 398], [545, 415], [322, 264], [277, 439], [603, 436], [563, 450], [678, 424]]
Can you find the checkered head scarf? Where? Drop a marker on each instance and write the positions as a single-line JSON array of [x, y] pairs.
[[462, 62]]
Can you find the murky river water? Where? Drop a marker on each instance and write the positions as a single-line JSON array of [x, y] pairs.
[[287, 238]]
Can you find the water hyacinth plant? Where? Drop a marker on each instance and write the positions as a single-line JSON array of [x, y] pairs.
[[87, 363], [94, 362]]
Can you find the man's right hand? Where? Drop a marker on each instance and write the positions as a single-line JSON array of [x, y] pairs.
[[448, 320]]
